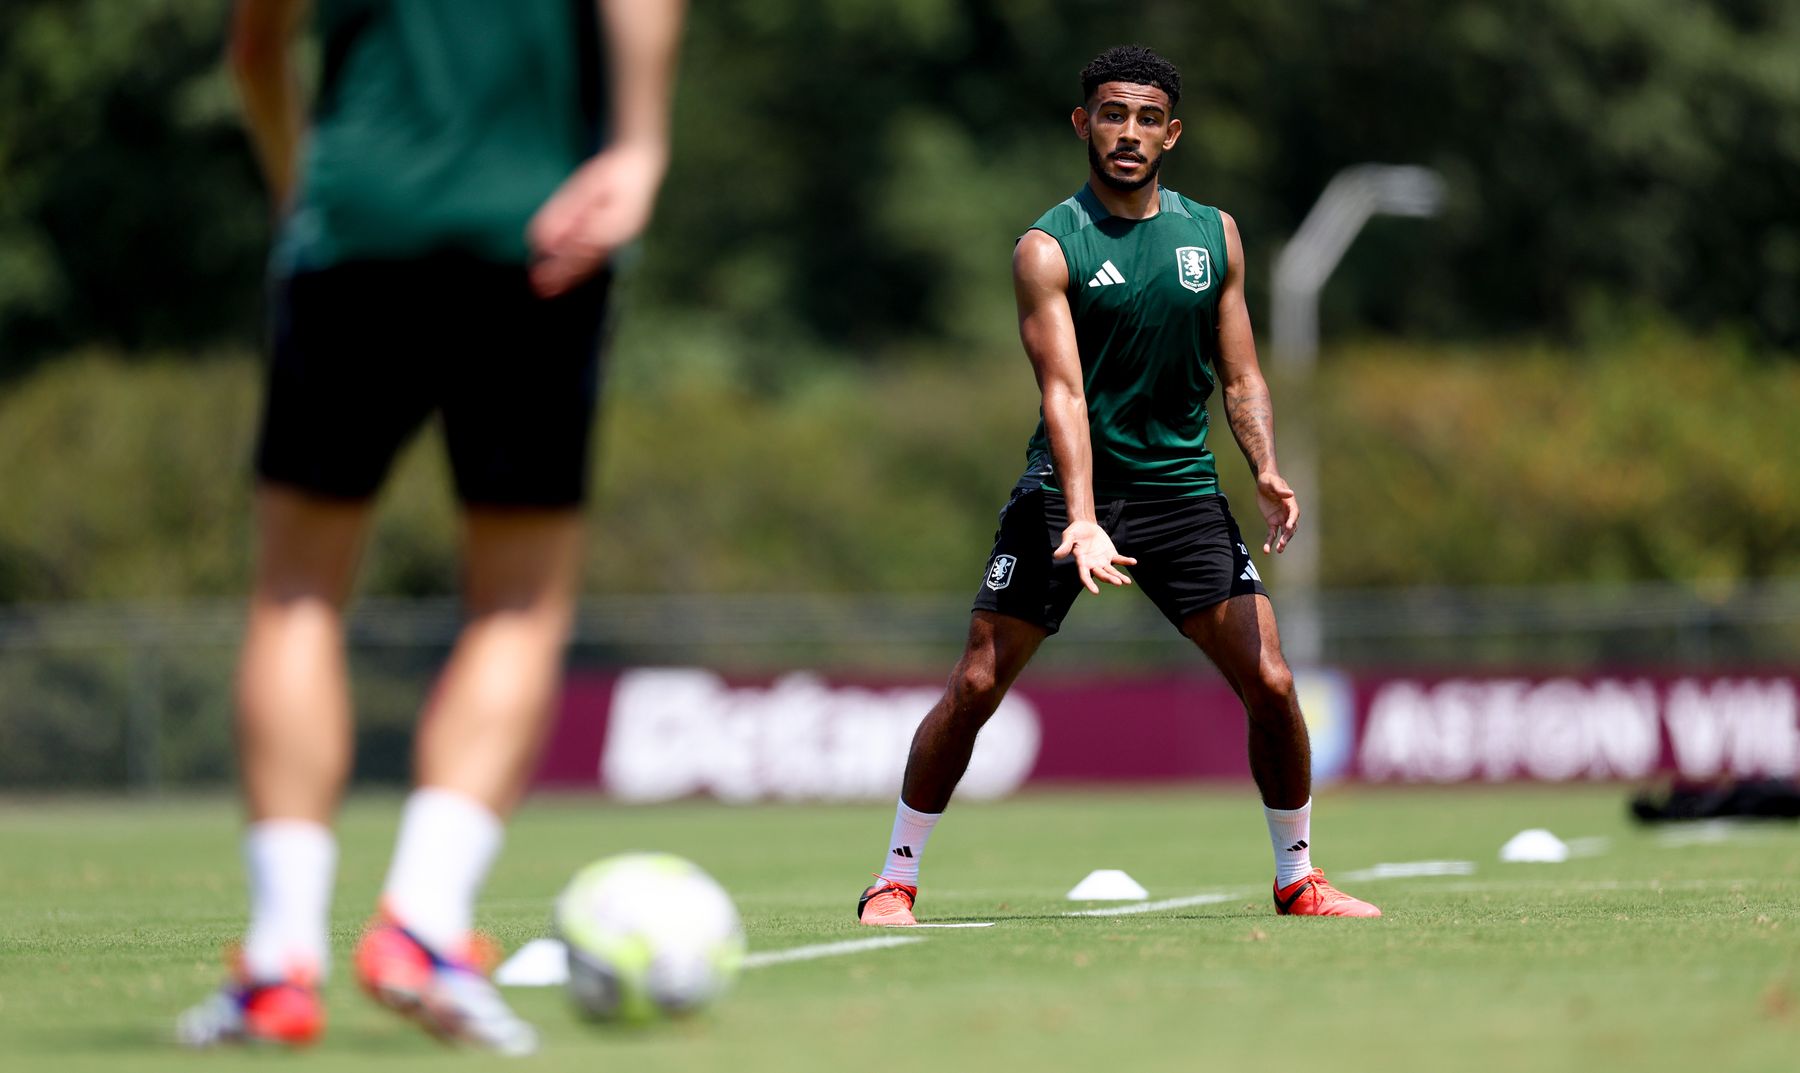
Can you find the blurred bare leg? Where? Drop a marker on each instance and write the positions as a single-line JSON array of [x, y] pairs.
[[476, 746], [492, 706], [293, 689], [293, 724]]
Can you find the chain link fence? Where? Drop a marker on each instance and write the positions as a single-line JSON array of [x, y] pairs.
[[139, 696]]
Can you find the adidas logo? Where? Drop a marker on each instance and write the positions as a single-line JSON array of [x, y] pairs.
[[1249, 573], [903, 851], [1107, 276], [1295, 848]]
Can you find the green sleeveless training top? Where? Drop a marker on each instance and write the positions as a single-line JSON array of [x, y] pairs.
[[441, 125], [1145, 297], [1145, 303]]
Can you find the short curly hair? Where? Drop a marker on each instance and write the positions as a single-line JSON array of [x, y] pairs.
[[1135, 64]]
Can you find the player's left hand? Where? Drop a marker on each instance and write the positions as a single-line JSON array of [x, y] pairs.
[[1280, 510], [605, 204]]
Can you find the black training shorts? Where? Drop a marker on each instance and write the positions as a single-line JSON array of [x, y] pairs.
[[1190, 555], [365, 352]]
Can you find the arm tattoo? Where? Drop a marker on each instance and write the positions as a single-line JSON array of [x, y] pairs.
[[1252, 419]]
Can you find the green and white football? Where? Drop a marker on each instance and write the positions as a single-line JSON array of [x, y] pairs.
[[648, 935]]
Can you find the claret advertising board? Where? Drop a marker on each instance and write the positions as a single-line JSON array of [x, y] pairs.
[[656, 734]]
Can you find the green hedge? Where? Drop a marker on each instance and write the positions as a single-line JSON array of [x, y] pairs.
[[1656, 457], [1660, 457]]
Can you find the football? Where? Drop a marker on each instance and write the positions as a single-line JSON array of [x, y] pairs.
[[648, 935]]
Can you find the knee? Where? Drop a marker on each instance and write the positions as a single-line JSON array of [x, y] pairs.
[[295, 617], [540, 619], [974, 693], [1270, 690]]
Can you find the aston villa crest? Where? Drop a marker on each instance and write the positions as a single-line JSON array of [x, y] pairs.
[[1000, 572], [1194, 264]]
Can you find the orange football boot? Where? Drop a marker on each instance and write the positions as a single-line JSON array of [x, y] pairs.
[[448, 996], [1312, 896], [287, 1012], [887, 904]]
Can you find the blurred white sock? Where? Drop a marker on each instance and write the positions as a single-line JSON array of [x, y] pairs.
[[912, 829], [447, 843], [1290, 834], [291, 865]]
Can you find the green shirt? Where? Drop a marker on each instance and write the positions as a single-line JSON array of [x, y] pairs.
[[1145, 299], [442, 125]]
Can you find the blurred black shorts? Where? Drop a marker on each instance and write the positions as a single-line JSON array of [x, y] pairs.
[[1189, 552], [364, 353]]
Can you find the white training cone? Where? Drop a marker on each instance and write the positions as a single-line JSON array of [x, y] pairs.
[[1535, 846], [539, 963], [1108, 885]]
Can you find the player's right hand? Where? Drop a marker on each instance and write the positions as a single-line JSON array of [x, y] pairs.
[[1094, 555], [604, 205]]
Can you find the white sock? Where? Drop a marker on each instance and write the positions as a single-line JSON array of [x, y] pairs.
[[1290, 831], [447, 843], [912, 829], [291, 865]]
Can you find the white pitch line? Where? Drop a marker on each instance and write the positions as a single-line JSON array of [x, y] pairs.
[[826, 950], [1410, 870], [541, 962], [1577, 886], [1711, 832], [1590, 846], [966, 924], [1156, 907]]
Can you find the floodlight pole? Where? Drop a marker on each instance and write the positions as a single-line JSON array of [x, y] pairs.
[[1304, 264]]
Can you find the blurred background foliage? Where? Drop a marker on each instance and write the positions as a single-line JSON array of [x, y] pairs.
[[816, 383], [1654, 456]]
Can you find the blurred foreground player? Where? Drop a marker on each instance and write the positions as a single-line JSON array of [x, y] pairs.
[[1131, 308], [469, 169]]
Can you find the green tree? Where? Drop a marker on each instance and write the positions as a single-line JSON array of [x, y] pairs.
[[129, 211], [850, 174]]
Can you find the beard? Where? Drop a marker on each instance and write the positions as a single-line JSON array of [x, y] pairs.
[[1097, 162]]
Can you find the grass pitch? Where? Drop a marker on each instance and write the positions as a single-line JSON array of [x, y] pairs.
[[1653, 954]]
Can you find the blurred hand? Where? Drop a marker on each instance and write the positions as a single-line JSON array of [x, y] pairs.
[[1094, 555], [604, 205], [1280, 510]]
